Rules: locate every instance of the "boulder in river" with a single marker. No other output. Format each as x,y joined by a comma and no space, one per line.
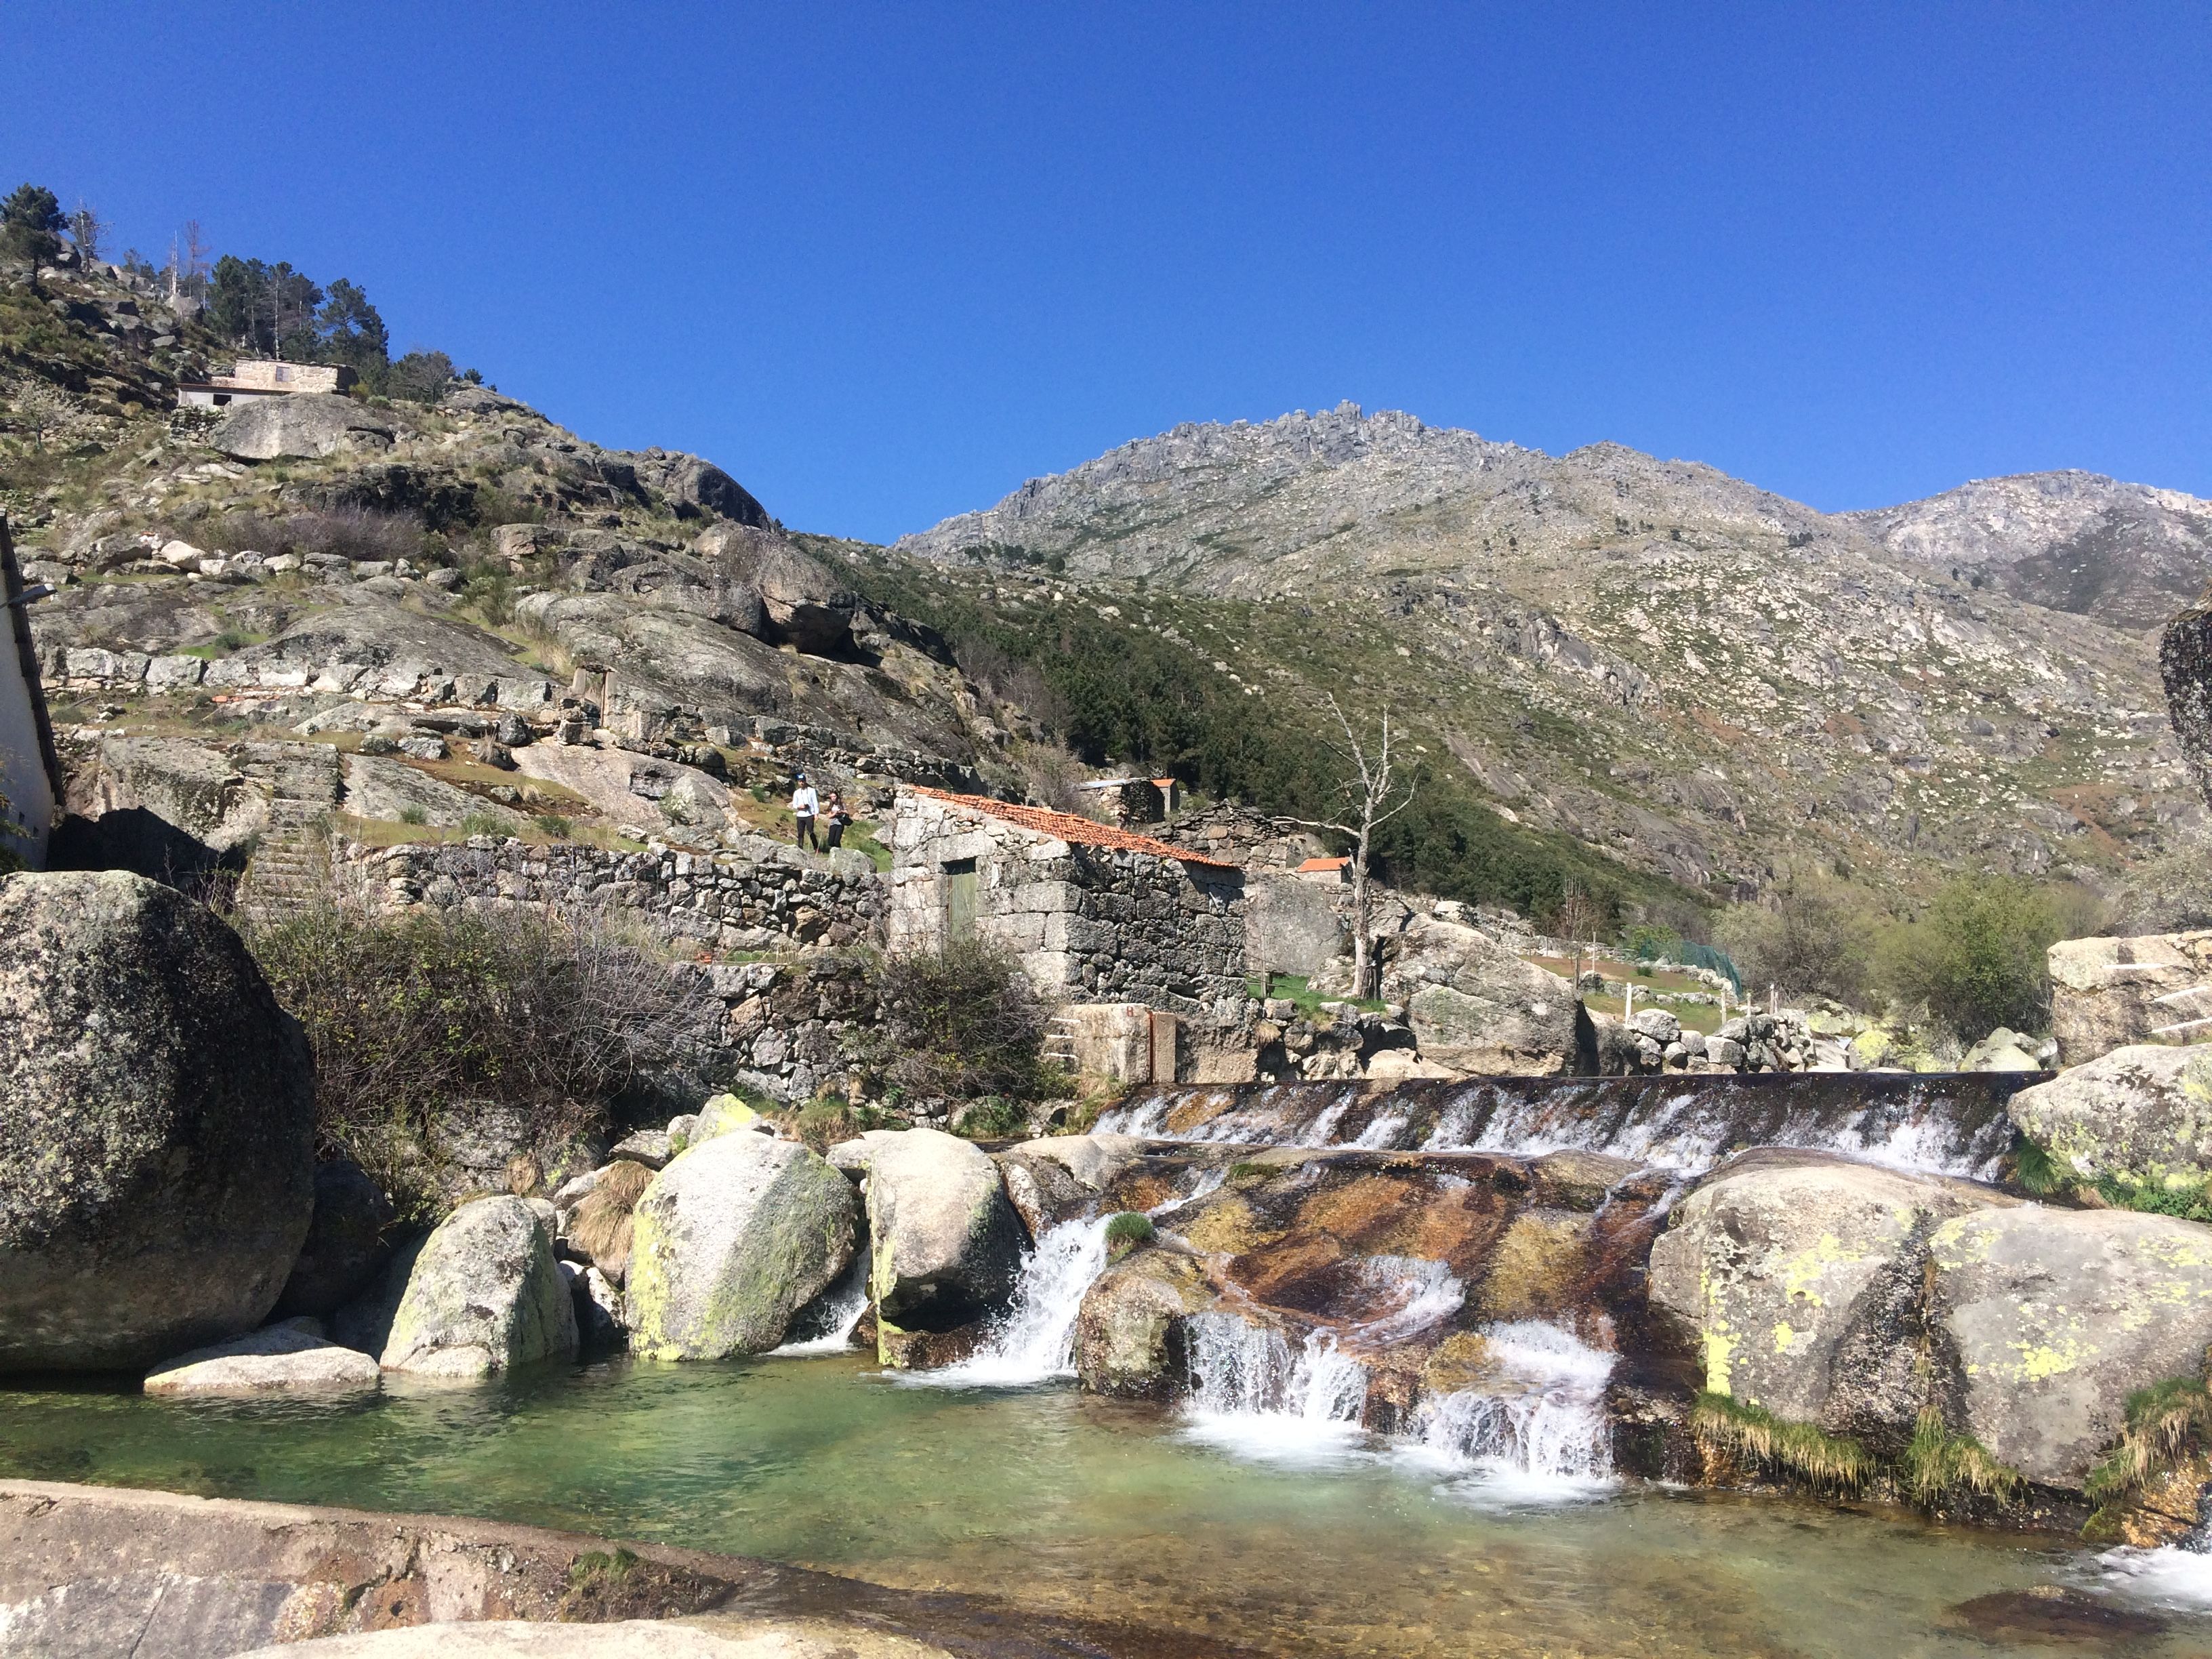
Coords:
1127,1333
2056,1316
291,1357
347,1245
1800,1277
946,1240
730,1241
485,1295
157,1126
2140,1114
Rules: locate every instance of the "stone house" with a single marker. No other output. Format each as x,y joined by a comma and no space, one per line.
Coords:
252,378
1094,912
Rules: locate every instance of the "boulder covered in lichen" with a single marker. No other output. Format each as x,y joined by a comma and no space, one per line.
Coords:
157,1126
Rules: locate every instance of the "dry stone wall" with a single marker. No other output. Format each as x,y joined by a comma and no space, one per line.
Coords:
722,901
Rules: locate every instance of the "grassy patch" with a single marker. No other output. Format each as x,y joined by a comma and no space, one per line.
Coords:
1940,1468
1754,1438
2167,1424
1127,1232
1293,987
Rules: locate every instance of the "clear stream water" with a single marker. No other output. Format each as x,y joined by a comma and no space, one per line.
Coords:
1291,1537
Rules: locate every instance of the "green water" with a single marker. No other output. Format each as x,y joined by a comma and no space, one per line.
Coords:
1052,1500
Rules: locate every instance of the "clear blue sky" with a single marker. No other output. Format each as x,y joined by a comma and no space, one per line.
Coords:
884,263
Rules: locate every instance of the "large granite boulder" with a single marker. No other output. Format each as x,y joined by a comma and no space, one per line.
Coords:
2108,993
730,1241
2140,1114
1475,1006
305,424
1127,1332
804,603
347,1242
1290,927
292,1357
1799,1278
946,1240
2056,1316
156,1126
486,1295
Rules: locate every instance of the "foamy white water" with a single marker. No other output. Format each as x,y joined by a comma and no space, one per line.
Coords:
2170,1576
1034,1341
825,1325
1534,1431
1255,1394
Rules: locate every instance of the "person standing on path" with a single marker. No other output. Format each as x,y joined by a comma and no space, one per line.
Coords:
833,821
806,804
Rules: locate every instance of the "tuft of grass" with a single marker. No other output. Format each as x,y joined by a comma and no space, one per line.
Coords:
555,826
597,1567
1250,1171
413,815
1939,1467
2038,1172
1753,1437
1128,1231
482,823
600,1227
2191,1203
2168,1423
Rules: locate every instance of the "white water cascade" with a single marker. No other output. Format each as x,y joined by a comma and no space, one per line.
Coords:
1535,1430
1034,1341
1253,1393
825,1324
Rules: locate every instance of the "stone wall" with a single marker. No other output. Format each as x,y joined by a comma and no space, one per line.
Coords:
723,901
1088,923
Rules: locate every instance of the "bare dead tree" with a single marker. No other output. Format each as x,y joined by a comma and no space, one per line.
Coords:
1373,795
88,231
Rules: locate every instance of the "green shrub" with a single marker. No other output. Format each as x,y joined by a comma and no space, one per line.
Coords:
409,1015
484,823
413,815
555,826
1128,1231
993,1118
1808,938
957,1024
1975,957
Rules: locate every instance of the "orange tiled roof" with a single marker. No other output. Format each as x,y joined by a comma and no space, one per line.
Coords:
1322,864
1065,826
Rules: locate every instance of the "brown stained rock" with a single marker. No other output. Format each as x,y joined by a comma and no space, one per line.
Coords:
1126,1335
1540,1268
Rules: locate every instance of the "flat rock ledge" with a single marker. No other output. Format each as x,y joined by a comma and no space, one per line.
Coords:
88,1569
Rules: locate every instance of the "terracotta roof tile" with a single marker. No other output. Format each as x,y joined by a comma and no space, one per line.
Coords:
1322,864
1065,826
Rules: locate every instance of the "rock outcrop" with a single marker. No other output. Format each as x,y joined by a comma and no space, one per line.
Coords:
305,424
2107,993
1128,1331
1477,1007
2185,663
946,1240
730,1240
2140,1115
485,1295
156,1126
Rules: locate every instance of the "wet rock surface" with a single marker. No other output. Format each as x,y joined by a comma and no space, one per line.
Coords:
484,1295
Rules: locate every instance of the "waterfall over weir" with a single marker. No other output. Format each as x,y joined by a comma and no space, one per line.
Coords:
1948,1123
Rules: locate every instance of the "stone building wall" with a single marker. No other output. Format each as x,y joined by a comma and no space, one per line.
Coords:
1088,923
721,901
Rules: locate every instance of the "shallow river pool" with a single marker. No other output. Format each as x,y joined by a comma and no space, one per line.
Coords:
1270,1536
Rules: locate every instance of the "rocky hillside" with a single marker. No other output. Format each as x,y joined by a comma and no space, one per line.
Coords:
1701,678
2125,554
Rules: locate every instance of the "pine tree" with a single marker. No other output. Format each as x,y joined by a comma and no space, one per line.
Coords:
31,223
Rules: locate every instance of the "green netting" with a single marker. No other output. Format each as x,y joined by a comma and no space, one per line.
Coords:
1691,955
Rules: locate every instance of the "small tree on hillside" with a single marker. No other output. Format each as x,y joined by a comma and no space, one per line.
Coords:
1373,794
31,223
87,230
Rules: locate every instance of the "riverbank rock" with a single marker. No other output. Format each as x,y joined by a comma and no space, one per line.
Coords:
946,1240
347,1243
1800,1278
485,1295
1127,1340
294,1356
2108,993
2142,1115
2057,1315
156,1126
1051,1179
730,1241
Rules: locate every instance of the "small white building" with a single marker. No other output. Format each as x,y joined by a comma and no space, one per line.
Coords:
262,377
